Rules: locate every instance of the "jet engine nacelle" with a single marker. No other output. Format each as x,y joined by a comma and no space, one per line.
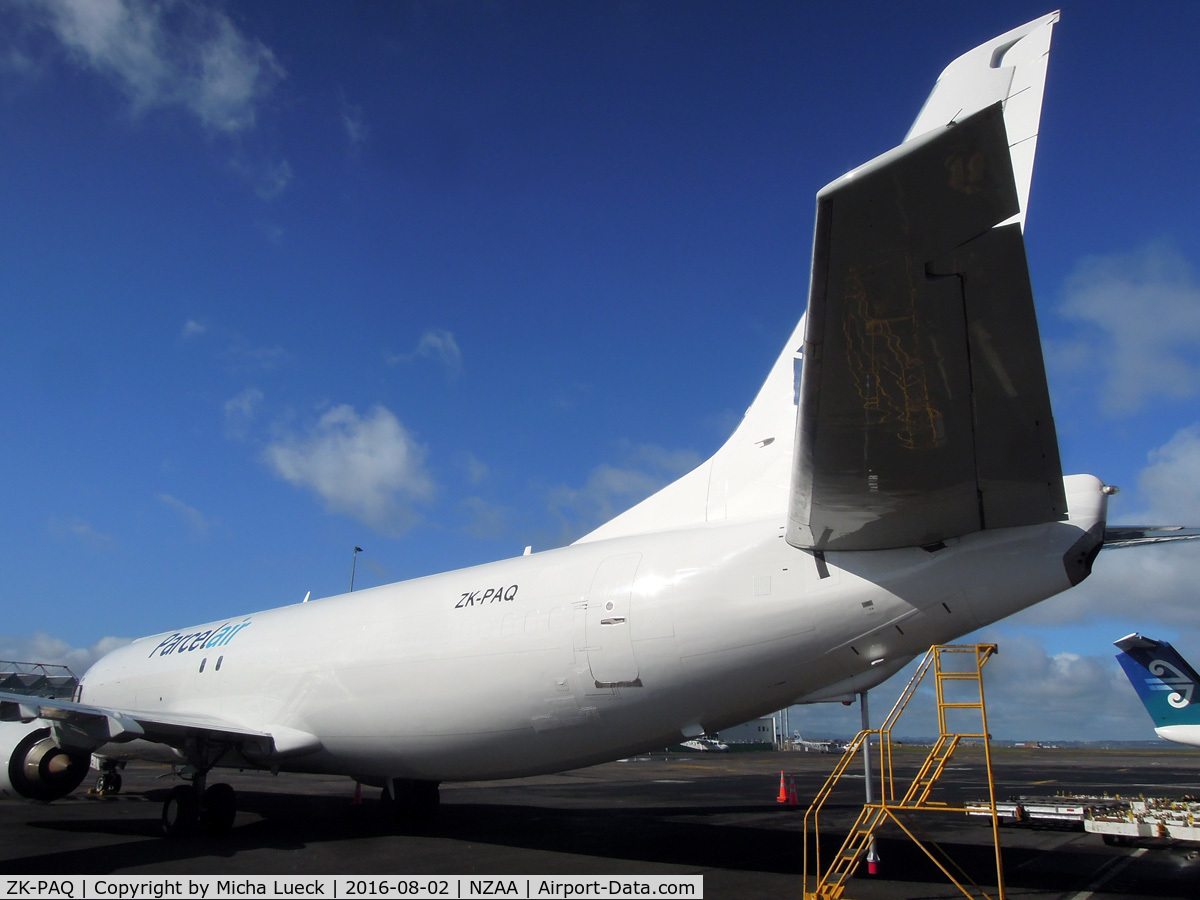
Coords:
34,767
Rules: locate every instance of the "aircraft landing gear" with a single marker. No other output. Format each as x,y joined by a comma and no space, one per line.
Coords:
109,781
180,812
192,806
218,809
409,801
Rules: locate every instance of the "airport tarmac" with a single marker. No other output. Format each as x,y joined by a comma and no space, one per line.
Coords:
714,815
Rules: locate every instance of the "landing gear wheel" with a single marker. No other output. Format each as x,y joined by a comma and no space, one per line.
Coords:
180,812
219,808
108,783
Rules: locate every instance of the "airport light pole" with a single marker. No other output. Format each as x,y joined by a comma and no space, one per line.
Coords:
353,563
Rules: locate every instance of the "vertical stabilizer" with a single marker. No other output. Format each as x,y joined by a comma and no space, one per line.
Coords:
924,412
748,476
1010,69
942,348
1165,683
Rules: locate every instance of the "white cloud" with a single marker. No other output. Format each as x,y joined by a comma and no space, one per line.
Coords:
1170,485
368,467
437,345
272,232
273,180
244,356
235,72
195,520
80,530
241,410
1037,695
1031,694
16,61
188,55
357,130
43,648
1144,587
237,352
611,489
192,328
269,178
485,521
1140,588
1140,321
477,471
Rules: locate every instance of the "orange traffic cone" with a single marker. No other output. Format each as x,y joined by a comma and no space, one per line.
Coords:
793,797
357,801
783,796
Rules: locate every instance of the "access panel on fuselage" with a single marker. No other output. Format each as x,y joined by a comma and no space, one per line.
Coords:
608,636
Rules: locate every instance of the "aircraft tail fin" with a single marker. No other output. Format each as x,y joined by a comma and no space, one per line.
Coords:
748,476
924,412
1010,68
943,335
1165,683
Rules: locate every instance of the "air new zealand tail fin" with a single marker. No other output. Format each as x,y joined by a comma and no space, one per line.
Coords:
1165,683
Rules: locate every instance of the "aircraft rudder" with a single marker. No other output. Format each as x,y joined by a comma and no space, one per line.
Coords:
1164,681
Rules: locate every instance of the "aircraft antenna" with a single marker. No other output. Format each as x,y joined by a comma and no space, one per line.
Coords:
353,562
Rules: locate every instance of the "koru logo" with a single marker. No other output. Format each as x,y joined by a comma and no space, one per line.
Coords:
1171,677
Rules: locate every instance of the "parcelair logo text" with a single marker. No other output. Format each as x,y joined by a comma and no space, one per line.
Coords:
199,640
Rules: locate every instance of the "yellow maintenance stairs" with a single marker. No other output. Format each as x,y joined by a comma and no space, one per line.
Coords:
958,673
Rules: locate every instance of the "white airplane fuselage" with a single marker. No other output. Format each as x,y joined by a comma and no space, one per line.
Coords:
586,653
1180,734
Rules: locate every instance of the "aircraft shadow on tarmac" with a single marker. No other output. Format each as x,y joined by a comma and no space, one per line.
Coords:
699,836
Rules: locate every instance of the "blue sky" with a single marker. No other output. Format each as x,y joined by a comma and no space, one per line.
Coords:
442,280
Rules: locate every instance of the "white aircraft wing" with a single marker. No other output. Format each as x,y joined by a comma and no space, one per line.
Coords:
87,727
924,411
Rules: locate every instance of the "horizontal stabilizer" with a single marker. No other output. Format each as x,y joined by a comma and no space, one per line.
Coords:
1139,535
